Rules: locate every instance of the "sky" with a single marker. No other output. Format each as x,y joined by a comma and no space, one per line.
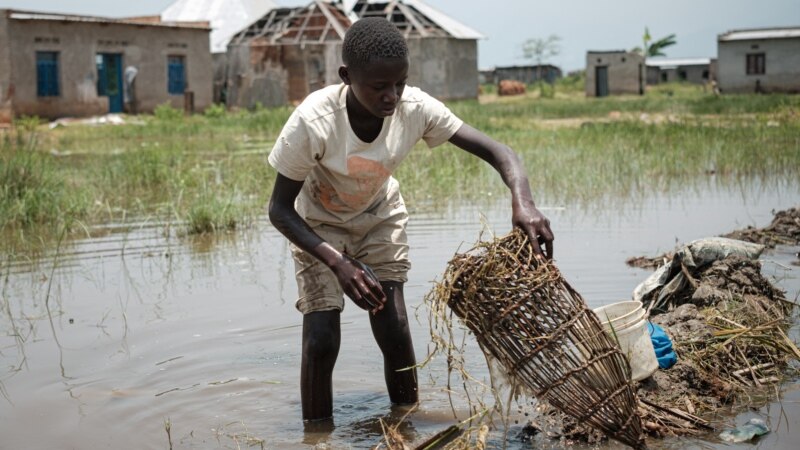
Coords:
581,24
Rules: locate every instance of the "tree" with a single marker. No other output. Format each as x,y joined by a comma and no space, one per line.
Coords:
656,47
540,51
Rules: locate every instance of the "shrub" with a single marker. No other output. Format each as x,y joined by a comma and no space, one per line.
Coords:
165,112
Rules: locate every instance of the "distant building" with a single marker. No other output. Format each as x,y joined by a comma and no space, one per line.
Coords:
226,18
286,55
688,70
759,60
613,73
525,74
56,65
290,52
443,52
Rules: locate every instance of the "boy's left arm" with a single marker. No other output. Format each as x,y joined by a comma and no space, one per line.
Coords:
525,215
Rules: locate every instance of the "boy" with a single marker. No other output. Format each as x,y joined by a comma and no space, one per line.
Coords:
336,201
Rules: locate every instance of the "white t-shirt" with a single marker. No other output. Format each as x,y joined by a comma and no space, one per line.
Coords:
344,175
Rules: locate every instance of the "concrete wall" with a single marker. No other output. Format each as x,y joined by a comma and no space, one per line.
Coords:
6,91
626,72
653,75
695,74
782,57
524,74
219,62
78,43
274,75
446,68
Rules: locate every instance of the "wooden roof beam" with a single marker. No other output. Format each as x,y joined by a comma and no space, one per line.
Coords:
302,28
332,19
389,10
411,17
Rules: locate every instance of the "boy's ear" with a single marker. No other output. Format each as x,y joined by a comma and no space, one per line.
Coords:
344,75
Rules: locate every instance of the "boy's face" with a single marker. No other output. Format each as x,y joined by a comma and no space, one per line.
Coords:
378,85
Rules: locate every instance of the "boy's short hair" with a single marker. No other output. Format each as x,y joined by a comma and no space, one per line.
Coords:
370,39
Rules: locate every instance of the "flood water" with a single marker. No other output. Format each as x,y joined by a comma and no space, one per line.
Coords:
134,330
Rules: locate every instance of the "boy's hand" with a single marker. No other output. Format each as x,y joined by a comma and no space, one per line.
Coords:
536,226
359,283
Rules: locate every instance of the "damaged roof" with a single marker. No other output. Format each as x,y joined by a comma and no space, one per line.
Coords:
320,21
414,18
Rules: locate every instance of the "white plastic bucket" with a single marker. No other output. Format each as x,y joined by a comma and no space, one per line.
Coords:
626,323
620,315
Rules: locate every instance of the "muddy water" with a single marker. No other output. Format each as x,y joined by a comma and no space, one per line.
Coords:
133,331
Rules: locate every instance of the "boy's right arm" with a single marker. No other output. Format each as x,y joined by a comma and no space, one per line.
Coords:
356,282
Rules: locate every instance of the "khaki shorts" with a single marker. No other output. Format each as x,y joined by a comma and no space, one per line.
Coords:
377,237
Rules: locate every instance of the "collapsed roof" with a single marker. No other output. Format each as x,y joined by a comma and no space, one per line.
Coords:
325,20
318,22
414,18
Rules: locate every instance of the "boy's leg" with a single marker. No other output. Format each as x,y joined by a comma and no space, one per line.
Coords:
392,333
321,339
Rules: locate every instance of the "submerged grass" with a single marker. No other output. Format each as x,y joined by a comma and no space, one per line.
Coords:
32,191
209,171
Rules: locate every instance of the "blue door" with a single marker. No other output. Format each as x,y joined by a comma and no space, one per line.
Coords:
109,79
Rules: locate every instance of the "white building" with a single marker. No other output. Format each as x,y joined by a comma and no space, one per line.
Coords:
686,70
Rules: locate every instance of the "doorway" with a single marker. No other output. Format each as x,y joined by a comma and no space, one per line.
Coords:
601,81
109,80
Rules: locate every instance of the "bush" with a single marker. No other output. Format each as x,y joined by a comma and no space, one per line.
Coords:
165,112
215,111
546,90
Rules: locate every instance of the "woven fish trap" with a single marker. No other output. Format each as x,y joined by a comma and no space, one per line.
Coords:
526,316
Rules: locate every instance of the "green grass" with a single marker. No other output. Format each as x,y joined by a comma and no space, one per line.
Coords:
209,172
32,190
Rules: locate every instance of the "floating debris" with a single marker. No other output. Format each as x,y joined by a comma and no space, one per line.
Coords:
754,427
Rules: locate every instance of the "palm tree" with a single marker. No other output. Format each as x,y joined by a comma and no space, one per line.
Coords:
657,47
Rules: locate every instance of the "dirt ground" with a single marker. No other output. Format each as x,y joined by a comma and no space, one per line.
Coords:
728,327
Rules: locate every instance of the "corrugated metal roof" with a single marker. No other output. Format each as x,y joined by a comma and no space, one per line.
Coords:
760,33
453,27
606,51
675,62
227,17
33,15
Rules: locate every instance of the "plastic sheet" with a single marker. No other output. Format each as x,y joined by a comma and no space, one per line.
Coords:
693,256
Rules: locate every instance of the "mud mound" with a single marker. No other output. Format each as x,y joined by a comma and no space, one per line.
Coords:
728,326
784,230
728,280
